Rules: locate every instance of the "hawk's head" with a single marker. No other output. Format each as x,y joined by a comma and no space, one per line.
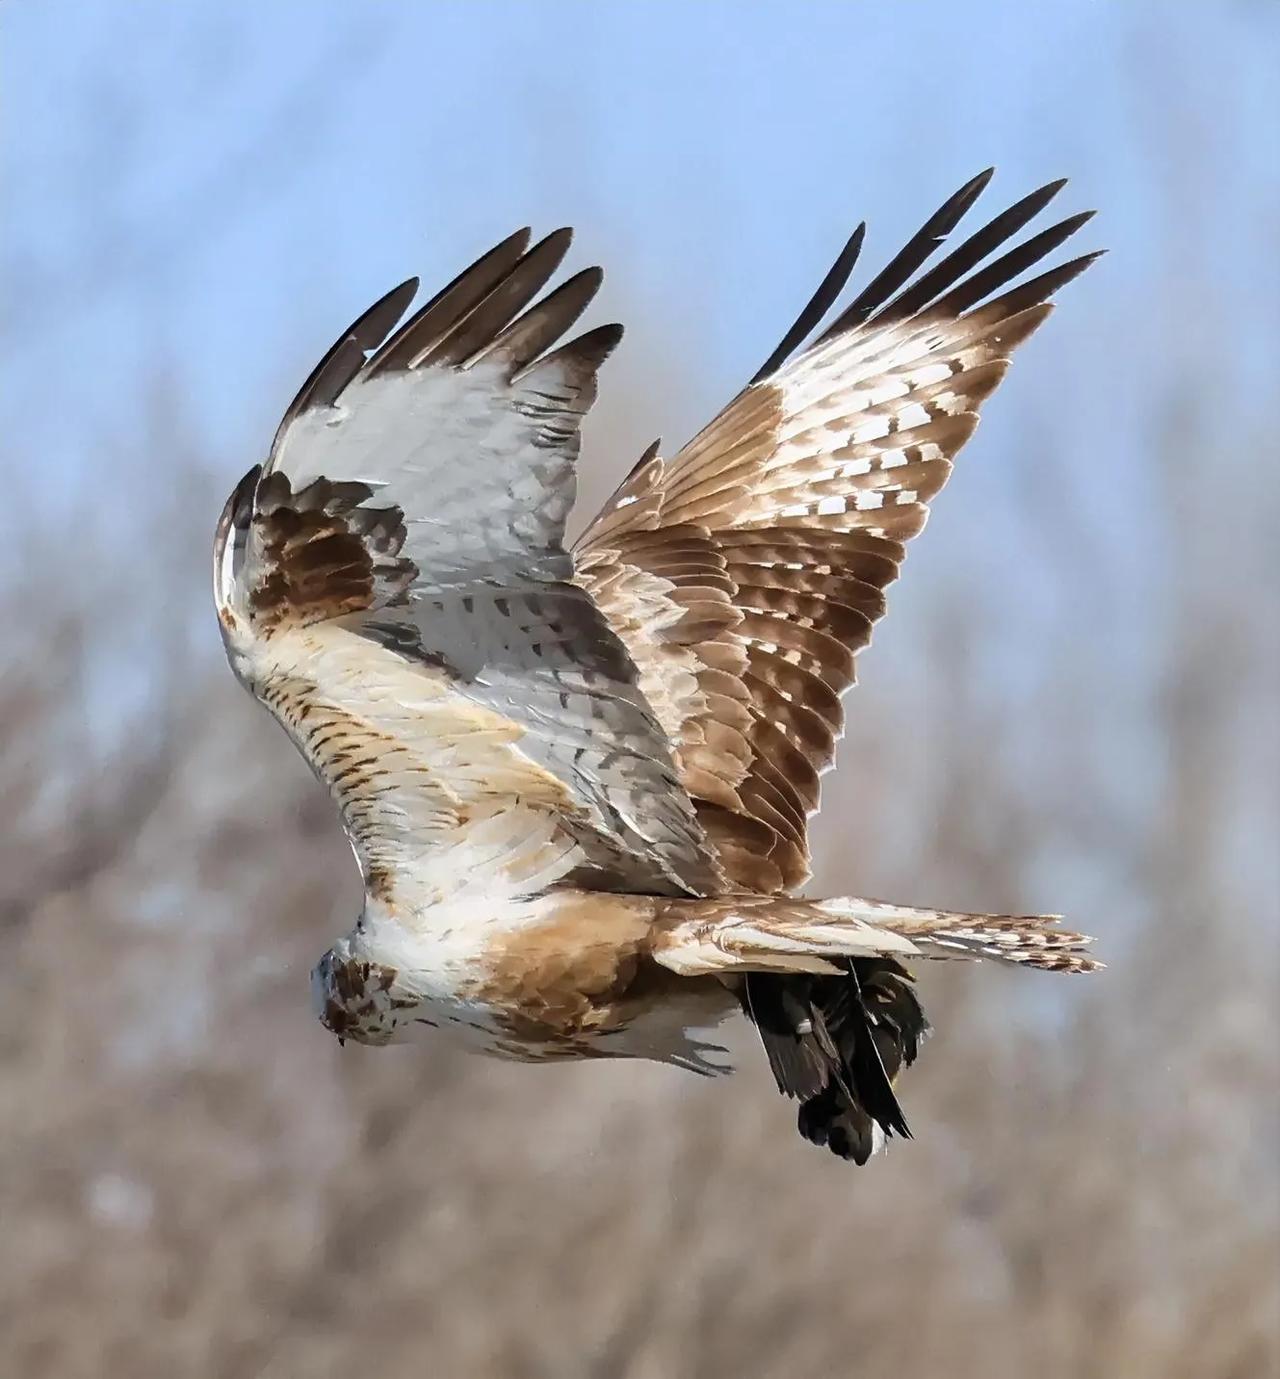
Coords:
355,998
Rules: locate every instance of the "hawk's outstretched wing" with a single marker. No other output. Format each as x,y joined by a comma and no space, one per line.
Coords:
392,584
745,573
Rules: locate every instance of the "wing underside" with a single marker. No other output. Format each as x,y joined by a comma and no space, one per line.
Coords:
393,585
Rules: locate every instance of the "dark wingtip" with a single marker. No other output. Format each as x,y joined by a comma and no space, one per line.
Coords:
1035,202
374,326
970,192
562,236
817,306
1074,222
596,345
552,248
522,237
1060,277
915,252
953,209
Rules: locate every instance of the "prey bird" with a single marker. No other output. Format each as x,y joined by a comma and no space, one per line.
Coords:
578,781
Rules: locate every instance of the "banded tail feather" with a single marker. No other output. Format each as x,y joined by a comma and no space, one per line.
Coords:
836,1010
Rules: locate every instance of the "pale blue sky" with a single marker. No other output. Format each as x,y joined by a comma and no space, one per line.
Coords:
216,186
201,194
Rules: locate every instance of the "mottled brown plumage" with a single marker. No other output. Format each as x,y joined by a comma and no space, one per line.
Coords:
804,492
325,553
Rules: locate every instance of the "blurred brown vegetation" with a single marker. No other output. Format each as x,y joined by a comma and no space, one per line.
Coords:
197,1181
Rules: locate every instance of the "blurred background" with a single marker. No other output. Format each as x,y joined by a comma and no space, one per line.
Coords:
1071,707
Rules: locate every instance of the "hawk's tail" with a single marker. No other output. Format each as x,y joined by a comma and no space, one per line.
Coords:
836,1010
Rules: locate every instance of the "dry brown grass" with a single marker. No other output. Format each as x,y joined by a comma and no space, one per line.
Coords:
197,1181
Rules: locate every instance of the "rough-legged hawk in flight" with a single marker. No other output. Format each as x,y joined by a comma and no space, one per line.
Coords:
578,781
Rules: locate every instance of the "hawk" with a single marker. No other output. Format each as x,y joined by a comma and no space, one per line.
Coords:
578,781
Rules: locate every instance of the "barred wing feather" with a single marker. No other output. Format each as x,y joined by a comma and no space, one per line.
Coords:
393,585
745,573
